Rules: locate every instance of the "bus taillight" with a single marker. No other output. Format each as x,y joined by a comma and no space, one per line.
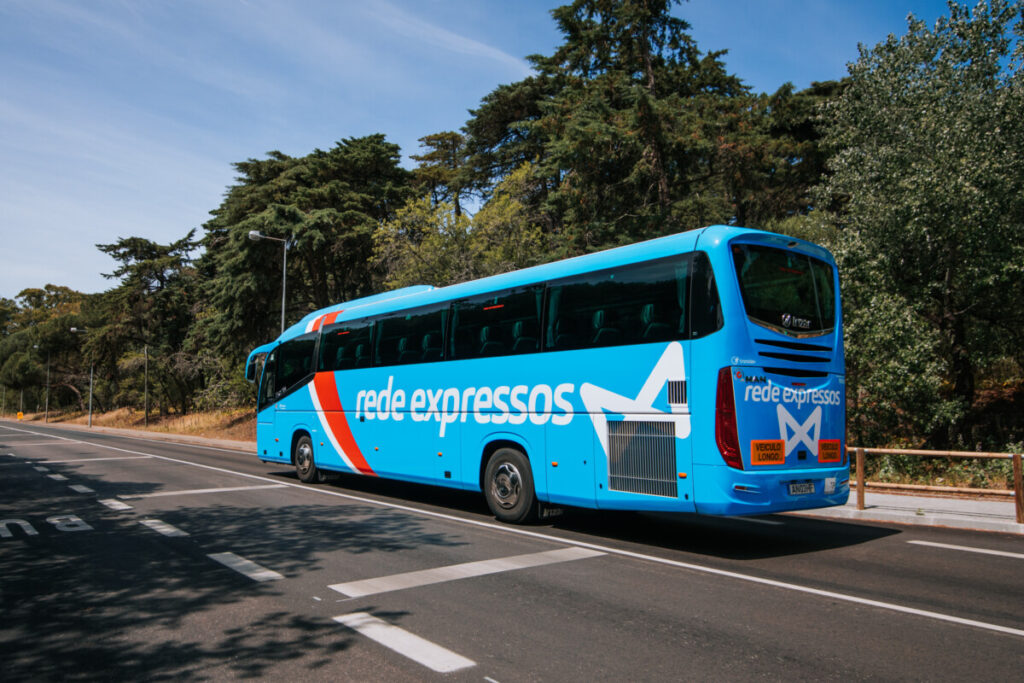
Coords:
725,421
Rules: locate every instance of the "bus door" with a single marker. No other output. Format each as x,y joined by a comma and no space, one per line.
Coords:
267,447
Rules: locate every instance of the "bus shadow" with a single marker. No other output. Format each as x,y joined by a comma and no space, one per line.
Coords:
723,537
733,538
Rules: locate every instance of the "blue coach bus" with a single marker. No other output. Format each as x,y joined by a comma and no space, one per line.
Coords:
701,372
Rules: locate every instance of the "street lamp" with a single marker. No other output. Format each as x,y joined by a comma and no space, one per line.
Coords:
74,330
256,236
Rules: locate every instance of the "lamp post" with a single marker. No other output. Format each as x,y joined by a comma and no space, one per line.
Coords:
82,329
256,236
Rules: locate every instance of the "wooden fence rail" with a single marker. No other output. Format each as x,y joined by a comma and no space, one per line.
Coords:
1018,471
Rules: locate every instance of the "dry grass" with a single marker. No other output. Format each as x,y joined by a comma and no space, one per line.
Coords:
238,424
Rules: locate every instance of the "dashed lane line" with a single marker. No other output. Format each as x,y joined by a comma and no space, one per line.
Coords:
426,577
969,549
193,492
410,645
246,567
41,469
163,528
713,571
81,488
115,504
57,477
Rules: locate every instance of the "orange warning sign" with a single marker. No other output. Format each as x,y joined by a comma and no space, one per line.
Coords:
768,452
829,450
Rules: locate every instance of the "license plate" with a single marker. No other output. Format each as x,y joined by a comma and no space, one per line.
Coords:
801,488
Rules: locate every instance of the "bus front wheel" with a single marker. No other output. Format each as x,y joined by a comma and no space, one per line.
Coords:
508,486
305,465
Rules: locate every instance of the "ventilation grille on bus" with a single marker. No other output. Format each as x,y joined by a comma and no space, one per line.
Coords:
677,391
642,457
794,346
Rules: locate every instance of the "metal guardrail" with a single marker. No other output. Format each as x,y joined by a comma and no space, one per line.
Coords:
1018,471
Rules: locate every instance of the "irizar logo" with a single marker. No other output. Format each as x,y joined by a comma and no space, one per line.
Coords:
600,402
806,433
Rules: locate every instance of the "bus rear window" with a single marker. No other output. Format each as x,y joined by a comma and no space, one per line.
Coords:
785,290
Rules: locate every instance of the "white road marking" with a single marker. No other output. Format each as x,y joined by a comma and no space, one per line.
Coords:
57,477
115,504
421,651
426,577
163,528
79,488
42,469
965,548
247,567
192,492
77,460
39,443
832,595
769,522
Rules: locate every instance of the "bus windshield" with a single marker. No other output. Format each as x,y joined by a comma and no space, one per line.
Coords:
785,290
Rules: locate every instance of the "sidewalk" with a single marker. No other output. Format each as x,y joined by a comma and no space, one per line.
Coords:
958,513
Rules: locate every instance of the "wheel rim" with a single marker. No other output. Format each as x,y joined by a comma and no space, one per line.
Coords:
304,457
506,485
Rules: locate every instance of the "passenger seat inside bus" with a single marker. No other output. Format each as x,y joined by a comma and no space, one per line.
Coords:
431,346
490,345
605,333
524,336
362,356
405,353
654,325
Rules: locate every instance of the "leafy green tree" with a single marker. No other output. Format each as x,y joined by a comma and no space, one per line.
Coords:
441,170
330,203
927,192
149,314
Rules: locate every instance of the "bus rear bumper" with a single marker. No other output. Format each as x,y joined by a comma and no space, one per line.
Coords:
722,490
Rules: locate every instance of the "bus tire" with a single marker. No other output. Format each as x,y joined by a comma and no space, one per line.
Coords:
305,464
508,487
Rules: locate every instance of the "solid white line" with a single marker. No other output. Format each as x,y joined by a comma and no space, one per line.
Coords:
938,616
163,527
38,443
57,477
769,522
430,655
426,577
122,457
79,488
965,548
247,567
192,492
115,504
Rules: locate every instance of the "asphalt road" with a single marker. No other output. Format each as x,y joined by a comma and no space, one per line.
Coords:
122,558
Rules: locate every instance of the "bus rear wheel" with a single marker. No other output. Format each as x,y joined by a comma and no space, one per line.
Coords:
305,464
508,487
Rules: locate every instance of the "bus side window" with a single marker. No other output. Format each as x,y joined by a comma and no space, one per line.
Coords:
399,338
635,304
267,381
705,308
497,324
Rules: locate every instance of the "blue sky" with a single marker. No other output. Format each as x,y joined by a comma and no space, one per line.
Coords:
123,117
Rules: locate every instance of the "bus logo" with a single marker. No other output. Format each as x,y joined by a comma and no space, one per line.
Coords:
669,368
806,433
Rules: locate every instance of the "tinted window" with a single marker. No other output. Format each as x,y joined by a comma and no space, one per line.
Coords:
268,383
294,362
785,289
704,307
414,336
500,324
635,304
346,346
